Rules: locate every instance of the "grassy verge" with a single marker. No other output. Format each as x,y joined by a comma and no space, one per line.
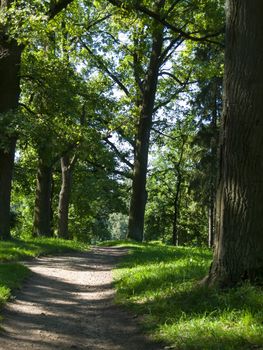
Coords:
12,273
11,277
29,248
160,283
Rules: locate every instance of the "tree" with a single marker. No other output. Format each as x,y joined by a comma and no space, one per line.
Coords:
11,47
207,108
239,209
139,195
67,165
52,108
173,213
185,15
10,58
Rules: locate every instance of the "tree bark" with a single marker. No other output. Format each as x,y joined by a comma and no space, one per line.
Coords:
211,221
6,171
42,211
10,59
139,195
239,206
64,197
213,169
179,180
176,210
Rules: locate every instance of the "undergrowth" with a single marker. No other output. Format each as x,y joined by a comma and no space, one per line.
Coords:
160,283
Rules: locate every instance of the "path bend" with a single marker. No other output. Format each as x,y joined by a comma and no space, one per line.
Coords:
67,303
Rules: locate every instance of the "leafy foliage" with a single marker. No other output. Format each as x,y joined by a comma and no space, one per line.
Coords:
82,76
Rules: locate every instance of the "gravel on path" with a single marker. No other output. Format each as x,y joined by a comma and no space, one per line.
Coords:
67,303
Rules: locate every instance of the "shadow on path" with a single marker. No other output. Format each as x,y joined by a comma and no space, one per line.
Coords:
67,303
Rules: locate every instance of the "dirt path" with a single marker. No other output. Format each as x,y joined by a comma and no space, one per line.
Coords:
68,304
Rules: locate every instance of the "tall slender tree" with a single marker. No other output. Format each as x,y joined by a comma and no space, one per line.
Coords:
139,196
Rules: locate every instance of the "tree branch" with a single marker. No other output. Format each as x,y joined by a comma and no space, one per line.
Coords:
102,66
118,153
137,6
113,171
167,50
172,76
171,8
56,7
166,135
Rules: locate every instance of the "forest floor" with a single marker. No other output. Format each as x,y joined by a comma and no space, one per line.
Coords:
68,303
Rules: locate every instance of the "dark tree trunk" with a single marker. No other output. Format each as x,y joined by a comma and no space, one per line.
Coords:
6,171
211,221
64,197
42,211
176,210
213,171
179,178
239,207
139,195
10,59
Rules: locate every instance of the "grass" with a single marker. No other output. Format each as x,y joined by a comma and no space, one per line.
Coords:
32,247
12,273
160,283
11,277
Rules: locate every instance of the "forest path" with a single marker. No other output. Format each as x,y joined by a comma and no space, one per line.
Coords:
67,303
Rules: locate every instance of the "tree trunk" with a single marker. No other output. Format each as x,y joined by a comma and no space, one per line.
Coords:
6,171
10,59
213,167
239,206
179,179
176,209
211,221
42,211
64,197
139,195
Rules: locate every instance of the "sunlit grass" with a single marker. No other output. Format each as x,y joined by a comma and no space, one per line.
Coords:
32,247
161,283
13,274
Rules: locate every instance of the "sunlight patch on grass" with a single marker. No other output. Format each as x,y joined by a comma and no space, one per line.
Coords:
160,283
13,274
28,248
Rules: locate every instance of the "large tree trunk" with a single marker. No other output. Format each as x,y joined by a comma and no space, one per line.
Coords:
64,197
139,195
10,59
42,211
239,208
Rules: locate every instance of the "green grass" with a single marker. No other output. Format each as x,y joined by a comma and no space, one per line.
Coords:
11,277
31,247
12,274
160,283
